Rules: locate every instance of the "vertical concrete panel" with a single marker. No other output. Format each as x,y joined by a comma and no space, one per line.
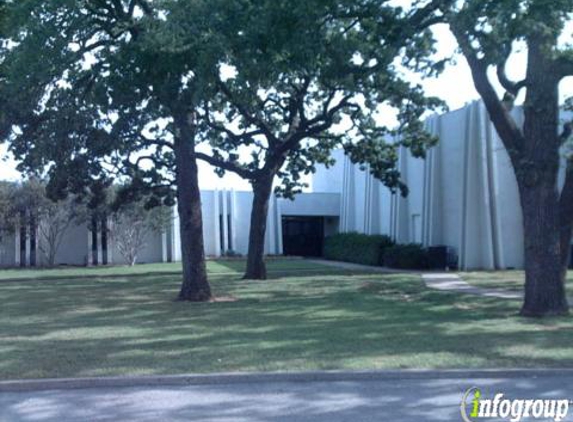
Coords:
74,250
402,203
234,221
225,213
477,250
279,219
17,249
210,211
448,179
270,234
215,224
508,211
8,250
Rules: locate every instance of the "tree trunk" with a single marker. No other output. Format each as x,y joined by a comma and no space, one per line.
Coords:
256,268
195,286
566,233
544,268
537,171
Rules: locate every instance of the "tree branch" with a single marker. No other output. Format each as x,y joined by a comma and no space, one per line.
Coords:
226,165
507,84
508,130
155,142
252,119
236,138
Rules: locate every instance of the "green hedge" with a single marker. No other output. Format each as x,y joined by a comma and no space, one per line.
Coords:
356,247
411,256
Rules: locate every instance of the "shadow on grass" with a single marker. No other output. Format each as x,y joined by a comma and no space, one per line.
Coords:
332,320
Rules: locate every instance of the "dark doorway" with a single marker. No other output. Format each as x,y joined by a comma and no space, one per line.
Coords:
303,236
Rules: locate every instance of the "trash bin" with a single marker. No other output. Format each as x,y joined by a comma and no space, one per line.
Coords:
442,257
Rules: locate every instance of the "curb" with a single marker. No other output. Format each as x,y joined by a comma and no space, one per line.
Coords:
289,377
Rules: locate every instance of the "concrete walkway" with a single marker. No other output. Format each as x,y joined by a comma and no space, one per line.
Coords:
405,399
453,283
439,281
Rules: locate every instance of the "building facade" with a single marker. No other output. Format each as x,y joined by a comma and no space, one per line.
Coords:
226,223
463,195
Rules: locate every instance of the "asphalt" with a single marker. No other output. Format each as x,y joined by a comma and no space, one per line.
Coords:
432,396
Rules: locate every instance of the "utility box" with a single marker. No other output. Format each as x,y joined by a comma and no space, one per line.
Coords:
442,258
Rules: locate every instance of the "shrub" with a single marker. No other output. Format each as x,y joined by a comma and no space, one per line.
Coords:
356,247
411,256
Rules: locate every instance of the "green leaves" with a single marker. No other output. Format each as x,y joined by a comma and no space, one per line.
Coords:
301,69
96,84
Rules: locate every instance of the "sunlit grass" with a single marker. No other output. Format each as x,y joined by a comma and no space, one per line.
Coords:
305,317
509,280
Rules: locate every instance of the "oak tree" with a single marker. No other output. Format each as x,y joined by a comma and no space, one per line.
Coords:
306,77
489,33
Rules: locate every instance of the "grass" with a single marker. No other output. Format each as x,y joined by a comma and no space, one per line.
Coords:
305,317
214,267
508,280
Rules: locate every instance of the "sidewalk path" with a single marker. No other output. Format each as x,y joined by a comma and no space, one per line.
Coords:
439,281
452,282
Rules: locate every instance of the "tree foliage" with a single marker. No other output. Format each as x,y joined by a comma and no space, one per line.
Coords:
126,88
27,204
116,93
304,78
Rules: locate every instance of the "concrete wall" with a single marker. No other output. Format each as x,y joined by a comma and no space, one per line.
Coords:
7,250
74,247
237,206
463,195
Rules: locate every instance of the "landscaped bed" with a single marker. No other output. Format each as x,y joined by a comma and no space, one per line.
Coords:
122,321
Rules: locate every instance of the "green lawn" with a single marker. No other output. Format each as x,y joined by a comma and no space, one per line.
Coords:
509,280
118,321
214,267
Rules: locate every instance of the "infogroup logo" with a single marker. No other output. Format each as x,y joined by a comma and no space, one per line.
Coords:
475,407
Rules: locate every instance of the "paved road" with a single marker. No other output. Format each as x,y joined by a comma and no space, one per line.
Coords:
375,400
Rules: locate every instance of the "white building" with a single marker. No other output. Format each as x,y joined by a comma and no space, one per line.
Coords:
464,195
226,223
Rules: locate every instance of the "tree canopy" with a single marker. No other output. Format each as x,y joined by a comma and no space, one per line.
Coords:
125,89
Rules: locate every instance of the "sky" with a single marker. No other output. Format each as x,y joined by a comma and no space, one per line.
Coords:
454,86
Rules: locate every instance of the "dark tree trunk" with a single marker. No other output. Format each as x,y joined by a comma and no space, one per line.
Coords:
566,233
537,171
534,152
195,286
544,268
256,268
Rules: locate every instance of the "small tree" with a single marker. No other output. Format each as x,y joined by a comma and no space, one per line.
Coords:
132,225
54,220
49,219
